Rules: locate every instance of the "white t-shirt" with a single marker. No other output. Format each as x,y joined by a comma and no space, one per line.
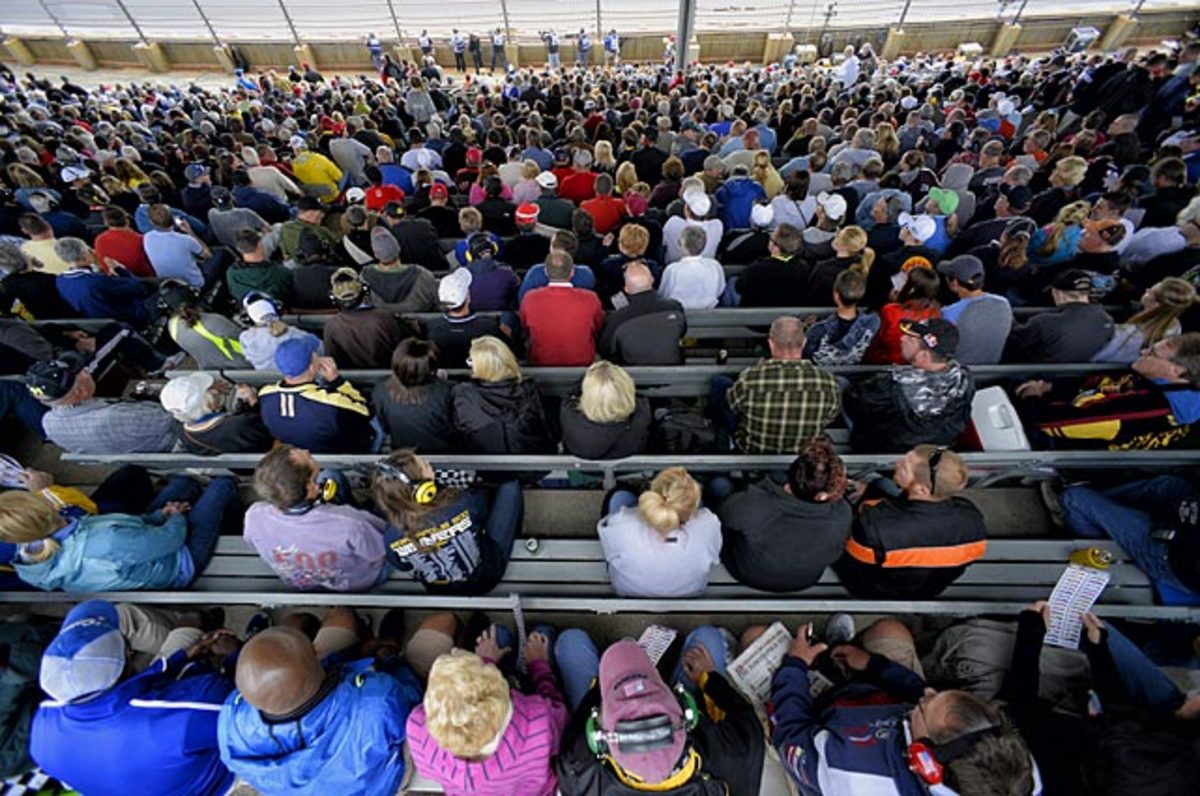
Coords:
695,282
675,224
644,563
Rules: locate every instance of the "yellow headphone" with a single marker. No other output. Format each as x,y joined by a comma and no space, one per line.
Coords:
424,491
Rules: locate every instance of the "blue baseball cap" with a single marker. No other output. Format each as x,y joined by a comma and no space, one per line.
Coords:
88,654
294,356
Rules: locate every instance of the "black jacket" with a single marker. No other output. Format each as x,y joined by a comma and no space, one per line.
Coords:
774,282
589,440
731,750
501,417
776,542
419,243
453,336
647,331
426,425
884,420
1072,332
526,250
239,432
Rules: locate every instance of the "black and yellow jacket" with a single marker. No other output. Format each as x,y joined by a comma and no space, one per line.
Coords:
323,418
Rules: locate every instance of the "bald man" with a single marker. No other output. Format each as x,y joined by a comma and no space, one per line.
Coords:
300,720
647,329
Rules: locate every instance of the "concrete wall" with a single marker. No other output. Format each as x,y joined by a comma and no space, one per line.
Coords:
1037,34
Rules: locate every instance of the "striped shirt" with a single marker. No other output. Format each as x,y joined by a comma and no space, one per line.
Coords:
522,764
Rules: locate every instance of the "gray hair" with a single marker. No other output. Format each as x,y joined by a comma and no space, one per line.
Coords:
72,250
841,173
714,162
693,239
12,259
895,206
582,158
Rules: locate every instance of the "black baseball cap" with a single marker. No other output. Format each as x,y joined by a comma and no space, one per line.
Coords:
52,379
937,334
1073,280
307,203
1019,196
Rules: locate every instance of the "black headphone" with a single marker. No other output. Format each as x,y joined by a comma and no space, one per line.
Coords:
929,760
175,293
424,491
473,241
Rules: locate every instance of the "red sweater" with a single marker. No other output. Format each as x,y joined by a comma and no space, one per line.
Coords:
562,322
578,186
124,246
606,212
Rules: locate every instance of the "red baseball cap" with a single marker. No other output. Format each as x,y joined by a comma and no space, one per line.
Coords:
438,191
528,213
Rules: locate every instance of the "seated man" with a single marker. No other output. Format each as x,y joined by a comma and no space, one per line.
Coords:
94,294
79,422
1156,521
313,407
864,734
359,336
299,722
983,319
647,329
458,325
1072,332
844,337
562,320
695,281
927,400
396,286
110,730
208,423
176,251
780,402
494,285
653,738
301,531
918,535
781,537
257,272
1155,405
779,280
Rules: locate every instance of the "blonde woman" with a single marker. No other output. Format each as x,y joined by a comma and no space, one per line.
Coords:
603,160
499,411
1059,242
661,544
1162,306
472,734
1065,179
129,173
526,189
626,178
765,174
607,419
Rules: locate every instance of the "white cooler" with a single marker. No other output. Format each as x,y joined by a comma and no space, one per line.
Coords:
996,422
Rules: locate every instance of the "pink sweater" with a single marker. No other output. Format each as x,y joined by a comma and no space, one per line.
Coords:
523,763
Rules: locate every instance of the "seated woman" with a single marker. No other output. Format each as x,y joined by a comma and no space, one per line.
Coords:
916,301
473,734
268,332
499,411
661,544
166,548
1162,306
607,420
454,541
209,338
413,403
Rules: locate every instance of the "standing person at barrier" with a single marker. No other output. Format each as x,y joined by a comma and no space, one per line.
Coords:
314,407
109,730
302,721
303,530
631,733
607,420
458,45
499,411
165,548
916,534
454,541
781,537
662,543
928,400
475,735
876,733
780,402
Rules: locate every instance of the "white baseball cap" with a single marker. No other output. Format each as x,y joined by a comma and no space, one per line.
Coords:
72,173
833,204
921,227
762,215
698,202
546,180
355,195
261,311
454,288
183,396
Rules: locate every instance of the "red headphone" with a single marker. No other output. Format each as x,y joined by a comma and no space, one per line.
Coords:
929,760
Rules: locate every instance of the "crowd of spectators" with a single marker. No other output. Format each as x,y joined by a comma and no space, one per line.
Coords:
573,219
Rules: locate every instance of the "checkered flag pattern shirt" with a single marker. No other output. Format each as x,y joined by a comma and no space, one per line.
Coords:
782,403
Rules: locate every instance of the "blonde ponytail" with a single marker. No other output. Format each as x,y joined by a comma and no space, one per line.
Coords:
671,500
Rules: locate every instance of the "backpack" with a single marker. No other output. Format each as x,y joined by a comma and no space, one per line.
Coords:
679,432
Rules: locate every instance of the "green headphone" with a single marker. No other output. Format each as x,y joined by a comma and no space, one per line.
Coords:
648,732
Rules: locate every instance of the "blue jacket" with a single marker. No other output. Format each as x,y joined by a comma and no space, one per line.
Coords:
536,277
737,196
323,418
95,295
117,552
153,733
350,744
271,209
841,742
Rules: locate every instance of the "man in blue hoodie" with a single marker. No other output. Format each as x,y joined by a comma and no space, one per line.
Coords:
97,295
108,730
877,730
302,724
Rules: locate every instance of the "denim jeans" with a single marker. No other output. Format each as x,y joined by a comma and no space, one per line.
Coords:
1123,515
211,506
716,492
578,664
711,639
505,516
16,399
1148,686
731,297
617,500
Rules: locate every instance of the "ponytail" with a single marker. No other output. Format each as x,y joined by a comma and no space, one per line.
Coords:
277,328
671,500
866,258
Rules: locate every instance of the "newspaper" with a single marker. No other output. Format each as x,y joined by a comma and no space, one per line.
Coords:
752,671
656,640
1073,596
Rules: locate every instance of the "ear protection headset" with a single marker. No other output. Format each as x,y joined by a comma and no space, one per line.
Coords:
642,735
327,491
478,239
929,760
424,491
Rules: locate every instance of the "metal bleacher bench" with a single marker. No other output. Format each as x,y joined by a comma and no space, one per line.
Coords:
570,575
